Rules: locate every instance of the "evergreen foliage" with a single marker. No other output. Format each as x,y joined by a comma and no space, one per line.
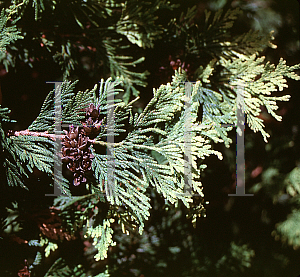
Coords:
149,147
102,30
9,34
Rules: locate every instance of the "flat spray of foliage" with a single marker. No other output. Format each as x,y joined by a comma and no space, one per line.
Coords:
149,146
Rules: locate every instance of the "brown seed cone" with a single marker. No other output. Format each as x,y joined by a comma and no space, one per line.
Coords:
92,111
77,155
92,124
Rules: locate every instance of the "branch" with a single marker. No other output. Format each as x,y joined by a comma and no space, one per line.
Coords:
55,136
39,134
103,143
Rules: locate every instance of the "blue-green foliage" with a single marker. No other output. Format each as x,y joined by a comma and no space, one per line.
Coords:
254,81
135,26
65,97
149,151
9,34
23,155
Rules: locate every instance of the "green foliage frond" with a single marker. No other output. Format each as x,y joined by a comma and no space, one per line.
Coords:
71,102
24,154
12,164
79,12
218,108
104,274
215,39
138,24
8,34
4,115
38,5
14,174
289,230
106,98
135,24
150,147
130,193
102,238
119,64
60,268
96,228
46,118
135,167
250,84
50,246
34,152
135,164
239,257
74,219
65,58
292,182
257,82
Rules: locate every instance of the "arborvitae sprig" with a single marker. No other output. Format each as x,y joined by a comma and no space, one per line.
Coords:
150,146
258,82
86,28
255,81
213,39
158,129
9,34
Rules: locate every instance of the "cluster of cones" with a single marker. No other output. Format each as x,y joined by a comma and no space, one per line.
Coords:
75,150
